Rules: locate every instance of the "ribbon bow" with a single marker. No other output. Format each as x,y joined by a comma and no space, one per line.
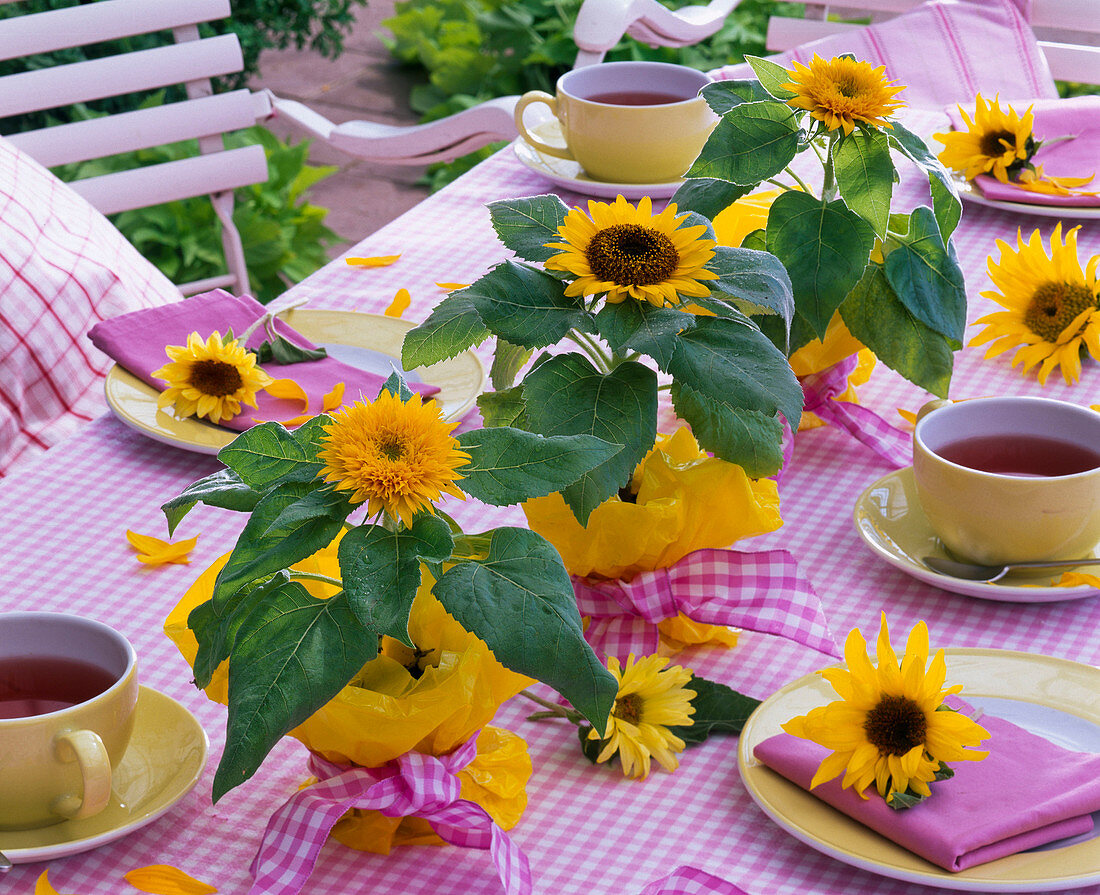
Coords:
820,389
763,591
413,784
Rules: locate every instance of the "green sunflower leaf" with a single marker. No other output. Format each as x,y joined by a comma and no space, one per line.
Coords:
945,195
526,225
772,76
520,601
749,438
866,176
282,351
926,277
508,360
566,395
525,306
508,466
751,142
224,489
722,96
825,248
708,195
292,654
755,282
639,326
269,453
504,407
876,316
451,328
718,709
381,570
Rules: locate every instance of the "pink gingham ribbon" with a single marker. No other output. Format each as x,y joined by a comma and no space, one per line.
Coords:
763,591
413,784
685,880
820,390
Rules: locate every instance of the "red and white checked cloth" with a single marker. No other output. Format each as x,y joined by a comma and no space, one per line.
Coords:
763,591
820,391
414,784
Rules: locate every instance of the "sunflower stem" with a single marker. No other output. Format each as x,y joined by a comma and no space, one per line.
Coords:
592,349
828,187
553,709
315,576
799,181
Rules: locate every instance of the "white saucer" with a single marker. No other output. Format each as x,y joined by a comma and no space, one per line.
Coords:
567,173
166,756
972,193
888,517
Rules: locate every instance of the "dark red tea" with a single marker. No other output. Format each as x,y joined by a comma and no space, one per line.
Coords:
636,98
36,685
1023,455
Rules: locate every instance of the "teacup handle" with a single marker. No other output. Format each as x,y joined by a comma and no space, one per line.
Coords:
538,96
86,748
934,404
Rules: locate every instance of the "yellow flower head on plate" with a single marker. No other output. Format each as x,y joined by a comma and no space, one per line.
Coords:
651,699
1052,306
397,455
995,141
210,379
629,252
842,92
887,728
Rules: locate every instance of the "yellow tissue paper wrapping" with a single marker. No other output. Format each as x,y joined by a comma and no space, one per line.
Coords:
386,711
686,500
731,226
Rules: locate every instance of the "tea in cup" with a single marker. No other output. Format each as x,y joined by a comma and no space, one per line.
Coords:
627,122
68,688
1010,479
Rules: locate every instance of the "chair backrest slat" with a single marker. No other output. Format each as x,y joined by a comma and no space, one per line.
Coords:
143,128
89,23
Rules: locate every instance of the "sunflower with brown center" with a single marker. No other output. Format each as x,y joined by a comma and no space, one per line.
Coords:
889,727
1052,306
842,92
995,141
629,252
399,456
210,379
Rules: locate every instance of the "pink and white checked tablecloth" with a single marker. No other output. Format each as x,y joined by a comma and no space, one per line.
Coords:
587,831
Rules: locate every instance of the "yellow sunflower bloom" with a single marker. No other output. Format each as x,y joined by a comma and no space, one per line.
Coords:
651,699
841,92
629,252
397,455
210,379
887,728
995,142
1052,306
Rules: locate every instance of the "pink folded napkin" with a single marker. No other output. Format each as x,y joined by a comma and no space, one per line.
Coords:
1028,792
1078,157
136,341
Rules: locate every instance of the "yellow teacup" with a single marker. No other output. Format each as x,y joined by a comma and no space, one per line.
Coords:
627,122
1010,479
68,688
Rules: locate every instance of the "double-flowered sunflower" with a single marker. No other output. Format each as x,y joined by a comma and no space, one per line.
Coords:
210,379
625,251
888,728
995,142
397,455
842,92
1052,306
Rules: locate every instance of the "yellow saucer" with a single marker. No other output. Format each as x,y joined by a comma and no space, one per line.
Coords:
166,756
368,341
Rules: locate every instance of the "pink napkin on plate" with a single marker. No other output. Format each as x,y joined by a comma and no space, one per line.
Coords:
136,342
1027,793
1079,157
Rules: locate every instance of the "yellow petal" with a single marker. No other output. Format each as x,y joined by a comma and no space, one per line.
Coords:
333,399
909,416
400,303
290,390
42,886
163,879
377,261
451,287
155,552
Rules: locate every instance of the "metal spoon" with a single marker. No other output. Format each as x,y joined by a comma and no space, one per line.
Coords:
973,572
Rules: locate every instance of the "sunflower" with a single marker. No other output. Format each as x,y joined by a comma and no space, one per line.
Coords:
842,91
1052,307
630,252
888,727
995,142
397,455
651,699
210,379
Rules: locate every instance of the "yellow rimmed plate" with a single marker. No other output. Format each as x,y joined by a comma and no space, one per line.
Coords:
369,341
165,758
1053,698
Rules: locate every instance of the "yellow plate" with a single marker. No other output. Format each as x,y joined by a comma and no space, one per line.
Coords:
166,756
1054,698
370,341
